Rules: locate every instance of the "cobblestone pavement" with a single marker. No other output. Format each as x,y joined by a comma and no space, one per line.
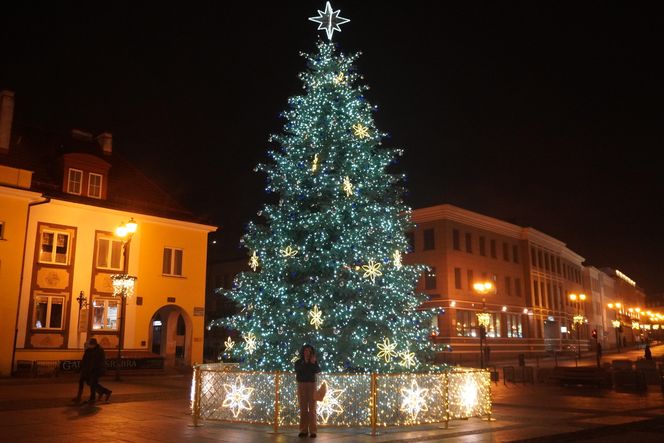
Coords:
156,408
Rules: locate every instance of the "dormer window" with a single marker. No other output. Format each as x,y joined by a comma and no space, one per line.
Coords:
74,180
94,185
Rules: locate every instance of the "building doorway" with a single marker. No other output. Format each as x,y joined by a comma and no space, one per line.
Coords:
170,336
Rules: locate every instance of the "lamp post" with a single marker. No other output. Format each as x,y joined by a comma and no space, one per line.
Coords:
616,323
483,318
578,321
123,284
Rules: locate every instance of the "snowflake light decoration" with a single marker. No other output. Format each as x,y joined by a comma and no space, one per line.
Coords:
407,359
387,350
396,259
331,404
249,342
237,397
315,317
229,344
348,187
329,20
288,252
360,130
339,79
413,400
372,270
253,261
314,163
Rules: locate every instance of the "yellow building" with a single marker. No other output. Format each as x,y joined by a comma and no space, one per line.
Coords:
61,200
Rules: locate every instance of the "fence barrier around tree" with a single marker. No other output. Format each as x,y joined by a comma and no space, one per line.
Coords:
352,400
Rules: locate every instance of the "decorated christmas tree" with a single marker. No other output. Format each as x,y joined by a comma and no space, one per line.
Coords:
326,264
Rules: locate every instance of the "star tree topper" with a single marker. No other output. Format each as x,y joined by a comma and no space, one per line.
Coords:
329,20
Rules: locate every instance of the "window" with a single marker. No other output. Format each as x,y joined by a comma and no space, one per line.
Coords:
48,312
54,247
466,323
493,330
74,179
517,287
430,278
506,252
469,243
410,236
482,246
2,230
514,327
493,249
109,254
508,285
515,254
471,278
429,241
105,314
455,240
94,185
457,278
172,264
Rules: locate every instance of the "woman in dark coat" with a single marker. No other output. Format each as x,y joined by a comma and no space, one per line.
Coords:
306,368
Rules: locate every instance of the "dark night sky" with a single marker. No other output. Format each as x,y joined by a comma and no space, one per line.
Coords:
544,114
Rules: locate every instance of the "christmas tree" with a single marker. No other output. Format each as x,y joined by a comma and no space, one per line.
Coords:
327,262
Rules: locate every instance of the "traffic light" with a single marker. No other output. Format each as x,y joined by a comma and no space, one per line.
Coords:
595,334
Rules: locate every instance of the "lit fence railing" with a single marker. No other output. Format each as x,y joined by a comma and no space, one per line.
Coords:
352,400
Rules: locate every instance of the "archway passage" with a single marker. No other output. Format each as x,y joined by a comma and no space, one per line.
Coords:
170,336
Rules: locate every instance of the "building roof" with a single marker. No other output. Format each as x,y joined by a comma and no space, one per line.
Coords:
128,188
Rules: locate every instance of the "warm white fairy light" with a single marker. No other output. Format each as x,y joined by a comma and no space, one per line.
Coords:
413,400
237,397
249,342
253,261
314,163
315,317
372,270
229,344
288,252
396,259
339,79
329,20
387,350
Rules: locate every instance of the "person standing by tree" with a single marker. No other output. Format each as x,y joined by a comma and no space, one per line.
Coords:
647,352
306,368
93,366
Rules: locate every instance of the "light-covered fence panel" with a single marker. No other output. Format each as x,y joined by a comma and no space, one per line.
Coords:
353,400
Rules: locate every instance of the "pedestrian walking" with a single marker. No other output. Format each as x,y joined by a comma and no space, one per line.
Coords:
599,354
93,366
82,379
647,353
306,368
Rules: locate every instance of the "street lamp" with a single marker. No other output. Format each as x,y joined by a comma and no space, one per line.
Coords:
617,324
483,318
123,284
579,319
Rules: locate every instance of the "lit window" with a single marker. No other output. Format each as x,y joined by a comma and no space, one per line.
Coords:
105,314
94,185
172,263
514,327
74,179
47,312
54,247
109,254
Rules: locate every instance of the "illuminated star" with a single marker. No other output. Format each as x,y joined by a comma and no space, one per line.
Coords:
253,261
237,397
288,252
396,258
360,130
387,350
316,317
314,163
249,342
372,270
413,400
228,344
330,404
329,20
407,359
348,187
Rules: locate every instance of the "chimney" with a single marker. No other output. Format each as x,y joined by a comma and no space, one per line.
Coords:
105,140
6,117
